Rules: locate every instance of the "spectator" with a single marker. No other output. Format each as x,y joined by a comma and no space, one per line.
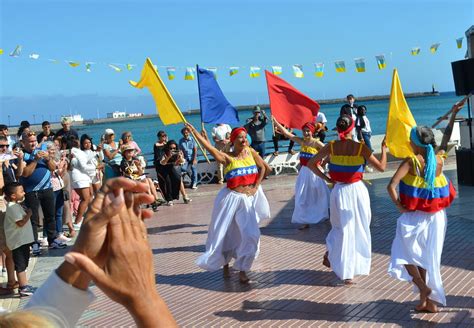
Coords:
36,181
158,153
47,134
189,148
24,127
12,164
19,234
66,123
321,132
277,136
256,130
127,139
4,132
171,163
93,158
112,155
81,171
350,109
221,134
362,125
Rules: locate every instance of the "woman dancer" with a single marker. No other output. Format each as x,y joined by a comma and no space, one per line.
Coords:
238,208
348,243
311,192
425,192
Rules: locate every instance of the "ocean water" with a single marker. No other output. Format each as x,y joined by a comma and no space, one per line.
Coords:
426,110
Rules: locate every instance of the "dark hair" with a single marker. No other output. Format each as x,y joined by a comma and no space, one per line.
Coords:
3,127
85,137
184,129
344,122
426,135
70,141
168,145
350,95
361,110
24,124
10,188
124,134
20,130
45,123
160,133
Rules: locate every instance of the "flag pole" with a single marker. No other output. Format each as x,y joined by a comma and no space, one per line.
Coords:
204,152
270,103
148,61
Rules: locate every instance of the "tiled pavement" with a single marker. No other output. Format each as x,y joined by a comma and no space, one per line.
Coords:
289,285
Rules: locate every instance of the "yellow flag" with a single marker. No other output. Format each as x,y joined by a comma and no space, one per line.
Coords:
165,105
1,51
399,121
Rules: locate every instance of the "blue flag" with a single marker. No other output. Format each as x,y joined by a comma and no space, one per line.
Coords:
214,106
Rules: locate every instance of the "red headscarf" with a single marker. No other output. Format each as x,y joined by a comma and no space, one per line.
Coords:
310,126
343,133
235,132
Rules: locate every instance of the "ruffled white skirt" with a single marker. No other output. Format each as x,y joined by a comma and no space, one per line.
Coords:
349,243
233,231
419,241
311,198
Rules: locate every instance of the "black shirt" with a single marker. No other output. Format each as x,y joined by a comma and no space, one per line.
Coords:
64,134
40,137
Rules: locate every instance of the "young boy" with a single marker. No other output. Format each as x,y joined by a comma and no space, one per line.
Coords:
19,233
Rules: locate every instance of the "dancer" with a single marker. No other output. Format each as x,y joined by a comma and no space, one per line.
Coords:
311,192
238,208
348,243
424,193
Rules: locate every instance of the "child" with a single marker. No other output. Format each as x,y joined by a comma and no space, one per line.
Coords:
19,233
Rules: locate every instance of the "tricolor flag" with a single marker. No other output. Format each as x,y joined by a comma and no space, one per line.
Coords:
88,67
415,51
254,71
434,47
115,67
233,70
73,64
381,64
189,75
298,71
340,66
16,52
277,70
459,42
319,69
34,56
171,71
130,67
360,65
213,70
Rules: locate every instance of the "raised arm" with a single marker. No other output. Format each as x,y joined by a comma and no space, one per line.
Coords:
286,133
443,147
218,155
381,164
322,154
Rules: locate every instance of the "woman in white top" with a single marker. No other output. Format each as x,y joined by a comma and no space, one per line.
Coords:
94,155
80,172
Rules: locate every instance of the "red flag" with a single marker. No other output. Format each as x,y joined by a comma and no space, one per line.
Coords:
289,106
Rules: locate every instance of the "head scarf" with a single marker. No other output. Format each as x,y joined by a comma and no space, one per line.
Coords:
235,132
343,133
430,165
310,126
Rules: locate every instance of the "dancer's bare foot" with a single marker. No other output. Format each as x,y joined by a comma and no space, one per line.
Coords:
243,277
429,306
348,282
303,227
425,291
326,262
226,271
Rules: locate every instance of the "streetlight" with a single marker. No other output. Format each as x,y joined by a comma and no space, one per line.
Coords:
9,124
34,119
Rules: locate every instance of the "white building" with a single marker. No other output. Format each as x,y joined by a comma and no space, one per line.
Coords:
117,114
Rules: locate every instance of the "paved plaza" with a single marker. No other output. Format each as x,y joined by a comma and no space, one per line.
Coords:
289,286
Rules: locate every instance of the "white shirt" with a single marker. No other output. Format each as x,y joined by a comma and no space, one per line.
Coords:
81,168
220,131
17,236
321,118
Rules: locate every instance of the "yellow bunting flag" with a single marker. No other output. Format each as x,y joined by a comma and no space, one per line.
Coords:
415,51
73,64
254,71
459,42
340,66
165,105
434,47
399,121
298,71
1,51
115,67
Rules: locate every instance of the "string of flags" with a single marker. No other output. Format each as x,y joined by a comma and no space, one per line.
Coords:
254,71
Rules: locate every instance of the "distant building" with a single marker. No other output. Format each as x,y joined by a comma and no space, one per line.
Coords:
74,118
131,115
117,114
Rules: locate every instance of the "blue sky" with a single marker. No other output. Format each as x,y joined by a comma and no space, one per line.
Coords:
218,33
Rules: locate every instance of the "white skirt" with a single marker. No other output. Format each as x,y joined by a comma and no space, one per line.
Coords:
311,198
349,243
419,241
233,231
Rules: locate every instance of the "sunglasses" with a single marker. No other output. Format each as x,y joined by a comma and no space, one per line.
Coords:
30,134
3,146
163,135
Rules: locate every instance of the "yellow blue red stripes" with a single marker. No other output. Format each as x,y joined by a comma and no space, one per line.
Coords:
306,153
241,172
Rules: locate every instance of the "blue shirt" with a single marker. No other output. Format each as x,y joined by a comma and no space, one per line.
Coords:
40,179
187,146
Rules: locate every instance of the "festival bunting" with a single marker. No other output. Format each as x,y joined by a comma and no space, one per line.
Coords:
254,71
381,64
54,61
189,75
73,64
399,121
88,67
459,42
115,68
213,71
415,51
130,67
319,69
288,105
1,51
340,66
360,65
233,70
171,71
165,105
277,70
34,56
215,108
16,52
298,71
434,47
